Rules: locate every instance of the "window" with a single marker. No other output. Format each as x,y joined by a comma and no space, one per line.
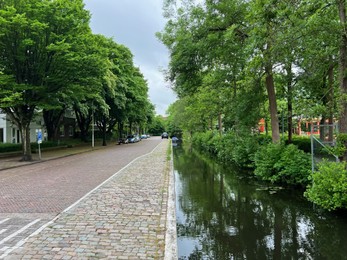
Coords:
61,131
70,130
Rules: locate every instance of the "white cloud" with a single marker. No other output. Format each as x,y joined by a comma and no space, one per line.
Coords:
134,24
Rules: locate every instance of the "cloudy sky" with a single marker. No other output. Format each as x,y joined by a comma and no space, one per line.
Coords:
134,23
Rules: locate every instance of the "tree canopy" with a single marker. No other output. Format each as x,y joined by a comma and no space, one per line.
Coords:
239,61
50,61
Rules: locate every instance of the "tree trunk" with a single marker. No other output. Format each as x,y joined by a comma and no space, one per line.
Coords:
83,124
120,130
53,120
26,147
270,86
290,102
220,124
21,117
321,129
104,128
342,72
331,101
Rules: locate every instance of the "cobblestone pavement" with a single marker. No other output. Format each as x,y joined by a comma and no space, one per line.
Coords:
123,218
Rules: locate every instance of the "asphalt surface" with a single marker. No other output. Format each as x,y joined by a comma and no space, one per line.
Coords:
83,203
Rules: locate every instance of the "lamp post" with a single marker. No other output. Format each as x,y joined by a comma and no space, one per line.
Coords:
92,127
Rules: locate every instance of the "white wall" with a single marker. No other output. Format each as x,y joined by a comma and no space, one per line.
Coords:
11,132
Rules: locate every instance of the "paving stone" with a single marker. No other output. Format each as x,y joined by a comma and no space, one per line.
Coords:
122,219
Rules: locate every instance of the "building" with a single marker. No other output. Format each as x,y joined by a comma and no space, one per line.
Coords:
9,132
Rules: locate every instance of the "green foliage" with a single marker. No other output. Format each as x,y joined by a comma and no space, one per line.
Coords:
329,186
302,142
157,126
51,61
239,149
205,141
282,164
7,147
229,148
341,141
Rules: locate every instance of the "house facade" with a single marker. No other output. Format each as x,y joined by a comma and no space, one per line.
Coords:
9,132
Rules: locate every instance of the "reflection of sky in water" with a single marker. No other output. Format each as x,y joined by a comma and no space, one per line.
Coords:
231,231
304,227
269,240
187,245
180,216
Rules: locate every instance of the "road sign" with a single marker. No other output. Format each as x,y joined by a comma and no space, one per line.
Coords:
39,137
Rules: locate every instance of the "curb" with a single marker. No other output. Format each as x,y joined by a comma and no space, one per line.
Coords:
171,228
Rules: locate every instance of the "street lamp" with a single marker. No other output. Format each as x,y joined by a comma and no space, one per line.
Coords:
92,127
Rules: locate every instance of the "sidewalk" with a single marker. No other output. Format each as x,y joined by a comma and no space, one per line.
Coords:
129,216
12,161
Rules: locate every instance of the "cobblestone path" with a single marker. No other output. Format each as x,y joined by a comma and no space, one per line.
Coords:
123,218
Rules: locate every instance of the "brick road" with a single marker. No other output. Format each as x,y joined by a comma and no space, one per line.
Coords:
124,218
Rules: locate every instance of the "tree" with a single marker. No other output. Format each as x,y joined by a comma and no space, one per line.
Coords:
35,37
157,126
205,43
342,73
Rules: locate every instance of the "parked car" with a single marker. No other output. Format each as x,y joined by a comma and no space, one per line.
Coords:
137,138
175,140
144,137
164,135
123,140
131,138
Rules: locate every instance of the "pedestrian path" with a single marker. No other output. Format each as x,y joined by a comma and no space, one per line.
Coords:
8,161
14,230
126,217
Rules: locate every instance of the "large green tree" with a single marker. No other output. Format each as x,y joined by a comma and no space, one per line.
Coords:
287,50
35,57
341,4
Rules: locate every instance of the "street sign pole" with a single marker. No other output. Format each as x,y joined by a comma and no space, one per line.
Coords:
39,141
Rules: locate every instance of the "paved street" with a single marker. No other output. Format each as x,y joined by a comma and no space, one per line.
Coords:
122,218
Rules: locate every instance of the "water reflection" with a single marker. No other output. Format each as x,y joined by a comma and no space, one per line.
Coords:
223,214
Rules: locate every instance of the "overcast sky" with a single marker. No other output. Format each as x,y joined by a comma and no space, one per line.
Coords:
134,23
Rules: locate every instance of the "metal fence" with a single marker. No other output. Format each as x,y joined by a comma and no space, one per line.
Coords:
323,139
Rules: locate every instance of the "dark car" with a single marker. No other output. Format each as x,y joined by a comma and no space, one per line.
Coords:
164,135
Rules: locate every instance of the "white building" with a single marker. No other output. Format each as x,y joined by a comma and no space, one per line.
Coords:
9,132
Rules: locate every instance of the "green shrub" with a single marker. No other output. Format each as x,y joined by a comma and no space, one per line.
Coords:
264,139
7,147
282,164
265,160
230,147
294,166
302,142
205,141
329,186
241,149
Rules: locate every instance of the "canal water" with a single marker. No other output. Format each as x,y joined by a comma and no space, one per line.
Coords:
224,213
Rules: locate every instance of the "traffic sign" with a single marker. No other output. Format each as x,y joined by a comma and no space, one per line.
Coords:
39,137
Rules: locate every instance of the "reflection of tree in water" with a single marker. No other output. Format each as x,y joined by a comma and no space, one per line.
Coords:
233,217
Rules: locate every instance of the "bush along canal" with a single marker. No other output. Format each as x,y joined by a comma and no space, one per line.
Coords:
223,213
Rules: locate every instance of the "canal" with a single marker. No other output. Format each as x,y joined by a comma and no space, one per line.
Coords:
224,213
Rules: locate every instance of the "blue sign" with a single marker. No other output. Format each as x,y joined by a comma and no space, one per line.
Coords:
39,137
